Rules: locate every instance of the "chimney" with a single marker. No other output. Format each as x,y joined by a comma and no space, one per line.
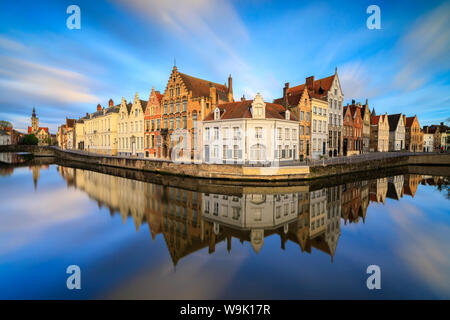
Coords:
243,98
310,83
212,95
111,103
99,107
285,90
230,84
353,101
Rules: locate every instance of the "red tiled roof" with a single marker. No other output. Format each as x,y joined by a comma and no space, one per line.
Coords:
31,128
200,87
294,93
409,121
159,96
375,119
241,109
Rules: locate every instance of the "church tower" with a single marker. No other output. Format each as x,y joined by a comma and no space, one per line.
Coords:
34,121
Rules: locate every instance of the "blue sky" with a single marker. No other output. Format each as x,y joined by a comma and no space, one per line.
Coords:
124,47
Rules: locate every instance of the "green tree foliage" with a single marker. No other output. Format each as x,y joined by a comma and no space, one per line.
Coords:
5,124
29,139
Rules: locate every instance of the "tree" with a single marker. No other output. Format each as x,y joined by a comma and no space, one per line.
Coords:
5,124
29,139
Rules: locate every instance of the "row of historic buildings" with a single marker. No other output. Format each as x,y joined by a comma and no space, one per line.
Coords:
196,119
190,221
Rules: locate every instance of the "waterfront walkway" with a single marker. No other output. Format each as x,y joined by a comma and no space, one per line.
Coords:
309,163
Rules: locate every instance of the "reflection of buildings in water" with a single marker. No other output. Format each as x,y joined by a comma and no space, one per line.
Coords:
6,157
253,212
432,180
183,229
190,221
36,170
411,184
318,209
395,187
378,189
364,198
122,195
351,202
334,208
303,217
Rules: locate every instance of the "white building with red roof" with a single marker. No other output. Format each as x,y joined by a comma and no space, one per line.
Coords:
250,132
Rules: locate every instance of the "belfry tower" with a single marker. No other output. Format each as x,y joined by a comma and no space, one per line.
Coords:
34,121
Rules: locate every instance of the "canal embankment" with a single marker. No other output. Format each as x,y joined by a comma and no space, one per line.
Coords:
236,172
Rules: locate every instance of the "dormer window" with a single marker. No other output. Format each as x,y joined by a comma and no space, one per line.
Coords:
217,114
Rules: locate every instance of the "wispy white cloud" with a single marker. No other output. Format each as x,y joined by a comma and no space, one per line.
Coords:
424,249
19,76
424,50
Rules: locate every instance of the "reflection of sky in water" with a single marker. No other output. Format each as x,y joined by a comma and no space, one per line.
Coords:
43,231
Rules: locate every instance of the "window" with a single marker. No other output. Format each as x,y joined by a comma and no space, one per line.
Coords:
178,123
224,133
258,111
294,134
207,137
216,133
320,111
165,107
235,152
136,112
236,213
171,123
184,105
258,132
194,120
315,110
314,125
279,133
302,115
307,116
224,151
236,134
184,122
178,103
171,107
286,134
302,130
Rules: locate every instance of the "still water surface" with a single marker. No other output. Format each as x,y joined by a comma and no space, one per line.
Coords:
134,239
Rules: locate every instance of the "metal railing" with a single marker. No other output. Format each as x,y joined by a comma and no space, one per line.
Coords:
363,157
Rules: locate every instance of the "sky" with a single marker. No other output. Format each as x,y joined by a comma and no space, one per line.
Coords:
125,47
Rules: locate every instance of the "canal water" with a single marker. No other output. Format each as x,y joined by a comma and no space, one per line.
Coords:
134,239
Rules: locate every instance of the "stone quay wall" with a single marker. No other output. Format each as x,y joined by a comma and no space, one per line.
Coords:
232,171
